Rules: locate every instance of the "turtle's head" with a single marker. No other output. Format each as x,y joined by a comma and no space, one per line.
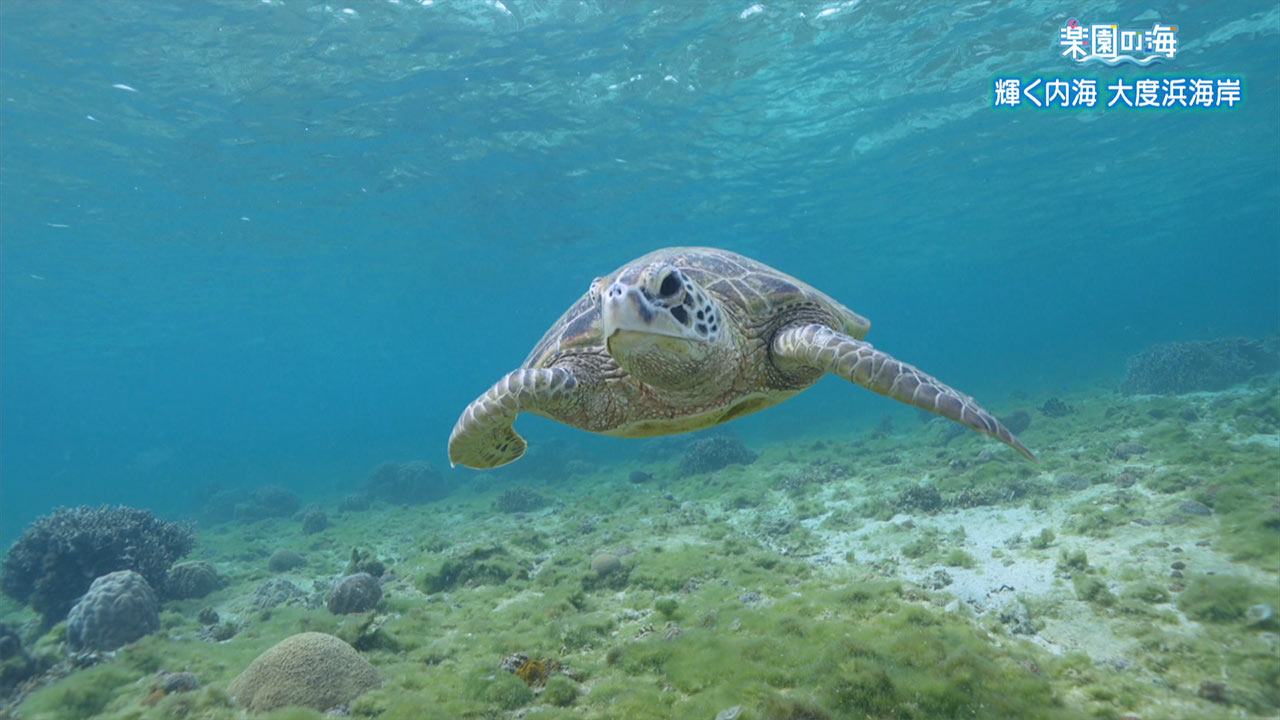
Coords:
661,327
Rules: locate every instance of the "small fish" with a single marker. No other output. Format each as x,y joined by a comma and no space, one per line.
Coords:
57,225
122,86
36,277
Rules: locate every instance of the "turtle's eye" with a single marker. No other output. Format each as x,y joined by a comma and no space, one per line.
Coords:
670,286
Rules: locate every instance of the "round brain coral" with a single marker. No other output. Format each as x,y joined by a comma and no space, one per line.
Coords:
309,669
119,608
193,579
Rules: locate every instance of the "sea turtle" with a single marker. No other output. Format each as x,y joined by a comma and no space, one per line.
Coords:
685,338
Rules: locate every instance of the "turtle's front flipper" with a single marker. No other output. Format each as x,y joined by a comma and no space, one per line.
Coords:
483,436
818,346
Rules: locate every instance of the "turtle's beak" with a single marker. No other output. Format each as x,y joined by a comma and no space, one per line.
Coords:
625,308
632,323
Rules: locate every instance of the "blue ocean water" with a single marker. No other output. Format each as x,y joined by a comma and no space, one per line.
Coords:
280,241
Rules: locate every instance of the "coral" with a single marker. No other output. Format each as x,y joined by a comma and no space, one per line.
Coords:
119,608
607,571
355,502
605,563
59,555
193,579
1055,408
218,505
407,483
1017,422
1183,367
713,453
314,521
309,669
355,594
284,561
516,500
266,502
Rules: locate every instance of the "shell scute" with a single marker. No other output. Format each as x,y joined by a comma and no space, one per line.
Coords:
751,290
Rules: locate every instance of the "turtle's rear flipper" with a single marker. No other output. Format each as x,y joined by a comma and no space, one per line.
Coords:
483,436
818,346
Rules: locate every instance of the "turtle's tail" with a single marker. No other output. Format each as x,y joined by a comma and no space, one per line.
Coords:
856,361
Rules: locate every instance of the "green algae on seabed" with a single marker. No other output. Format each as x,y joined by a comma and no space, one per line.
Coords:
852,651
1222,598
748,625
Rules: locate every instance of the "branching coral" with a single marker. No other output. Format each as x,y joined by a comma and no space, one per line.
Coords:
59,555
1192,366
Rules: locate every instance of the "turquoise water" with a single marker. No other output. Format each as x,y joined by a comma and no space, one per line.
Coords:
310,238
279,242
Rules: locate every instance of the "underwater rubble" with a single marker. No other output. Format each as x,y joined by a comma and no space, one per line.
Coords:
906,572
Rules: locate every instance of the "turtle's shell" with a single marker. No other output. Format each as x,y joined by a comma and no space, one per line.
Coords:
751,293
